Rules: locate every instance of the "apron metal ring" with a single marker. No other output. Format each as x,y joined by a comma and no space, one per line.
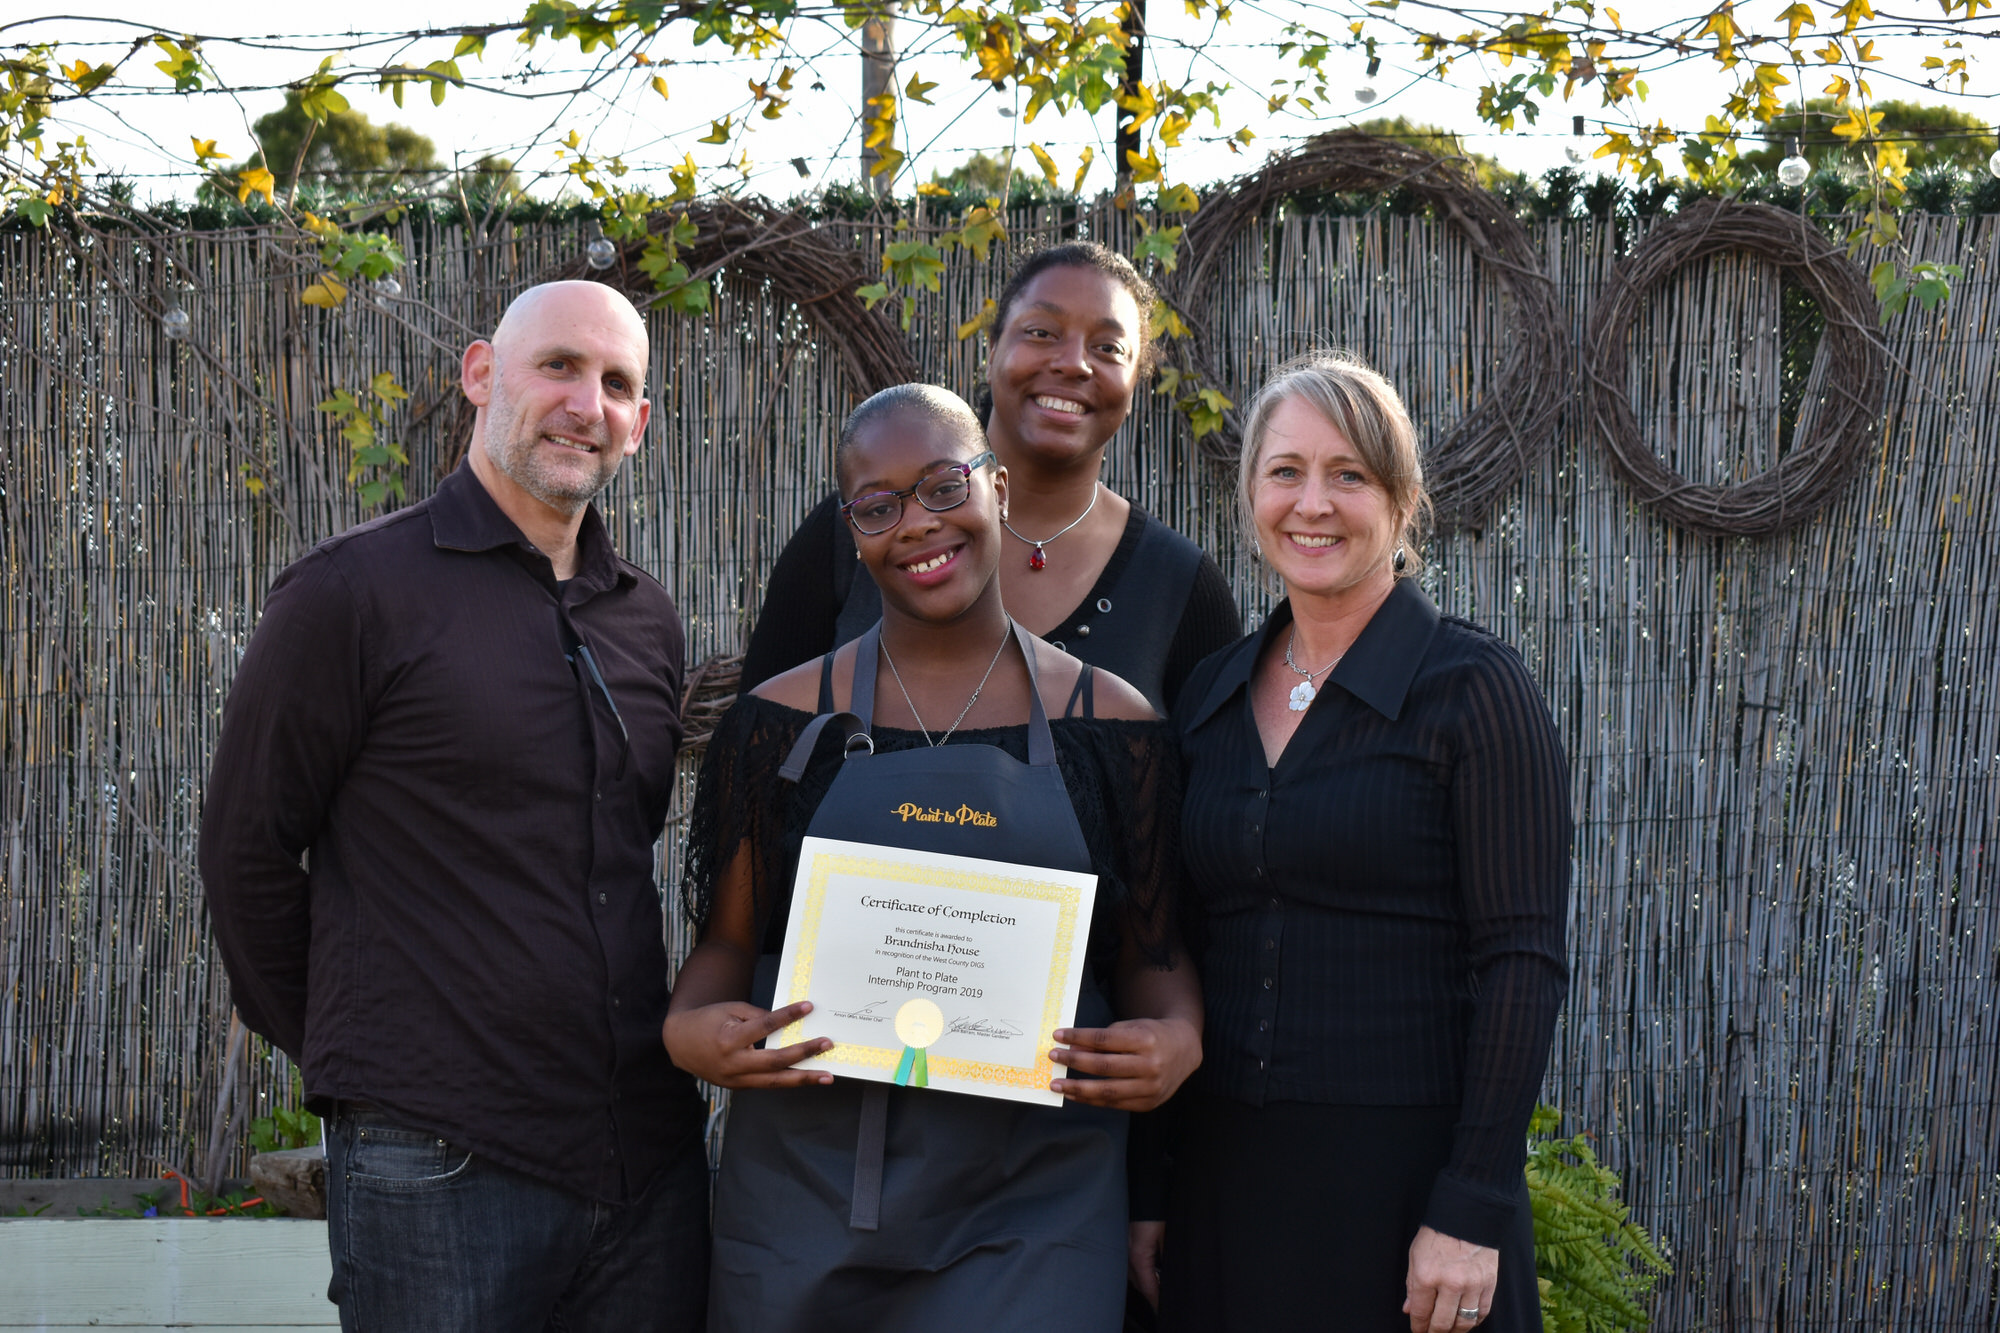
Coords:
866,742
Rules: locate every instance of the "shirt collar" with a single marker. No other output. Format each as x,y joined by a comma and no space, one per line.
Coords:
1377,670
465,517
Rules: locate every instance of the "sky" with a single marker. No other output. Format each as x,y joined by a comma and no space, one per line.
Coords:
149,141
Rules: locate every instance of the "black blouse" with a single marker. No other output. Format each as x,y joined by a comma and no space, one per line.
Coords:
1123,779
809,584
1379,918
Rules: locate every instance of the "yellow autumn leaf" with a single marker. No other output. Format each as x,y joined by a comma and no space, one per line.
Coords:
1044,161
1083,168
718,131
1795,18
1859,124
660,87
204,149
933,190
978,321
326,293
256,180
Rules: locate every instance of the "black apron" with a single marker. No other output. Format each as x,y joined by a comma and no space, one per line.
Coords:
1126,624
867,1207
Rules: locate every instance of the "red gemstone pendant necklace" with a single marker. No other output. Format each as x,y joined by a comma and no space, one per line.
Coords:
1038,559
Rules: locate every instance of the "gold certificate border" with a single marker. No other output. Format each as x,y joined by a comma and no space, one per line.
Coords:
1065,896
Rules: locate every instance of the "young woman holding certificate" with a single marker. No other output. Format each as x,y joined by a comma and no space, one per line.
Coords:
853,1204
1377,837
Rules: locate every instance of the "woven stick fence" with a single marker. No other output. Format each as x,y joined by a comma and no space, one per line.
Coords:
1782,1028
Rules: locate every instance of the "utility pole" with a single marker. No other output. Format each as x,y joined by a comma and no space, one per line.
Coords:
1135,75
878,79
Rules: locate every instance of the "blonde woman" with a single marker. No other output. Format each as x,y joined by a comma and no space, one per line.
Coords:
1377,838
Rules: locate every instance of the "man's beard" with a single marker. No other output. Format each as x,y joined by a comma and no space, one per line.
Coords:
521,460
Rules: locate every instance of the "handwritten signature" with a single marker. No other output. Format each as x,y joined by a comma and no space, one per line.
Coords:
867,1013
983,1027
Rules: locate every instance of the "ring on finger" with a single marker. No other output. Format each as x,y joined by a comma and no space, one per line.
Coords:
1468,1314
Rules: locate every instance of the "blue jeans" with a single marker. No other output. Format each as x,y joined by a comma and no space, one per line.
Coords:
427,1238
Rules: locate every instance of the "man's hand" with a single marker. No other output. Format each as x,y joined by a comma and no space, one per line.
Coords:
718,1043
1137,1063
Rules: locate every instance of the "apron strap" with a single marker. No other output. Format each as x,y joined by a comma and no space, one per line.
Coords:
869,1144
861,704
867,662
1041,741
856,728
826,683
858,740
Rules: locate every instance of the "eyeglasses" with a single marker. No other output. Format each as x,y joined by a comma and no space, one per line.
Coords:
878,511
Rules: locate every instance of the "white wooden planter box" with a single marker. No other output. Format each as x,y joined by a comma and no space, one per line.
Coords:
180,1273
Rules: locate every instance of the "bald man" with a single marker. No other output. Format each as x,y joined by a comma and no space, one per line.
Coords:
427,845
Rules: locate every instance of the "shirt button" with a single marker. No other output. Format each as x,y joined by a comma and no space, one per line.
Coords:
1256,828
600,897
598,796
1083,631
1263,1025
614,999
1267,985
1260,1064
1262,794
1270,944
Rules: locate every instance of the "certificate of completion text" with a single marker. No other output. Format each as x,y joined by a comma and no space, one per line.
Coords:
931,970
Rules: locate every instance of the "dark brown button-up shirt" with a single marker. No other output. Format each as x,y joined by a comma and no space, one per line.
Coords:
428,838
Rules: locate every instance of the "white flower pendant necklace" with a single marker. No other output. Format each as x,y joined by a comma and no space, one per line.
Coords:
1303,693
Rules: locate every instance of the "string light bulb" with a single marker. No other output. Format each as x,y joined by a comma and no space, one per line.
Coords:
387,290
175,322
1575,151
601,253
1366,92
1794,169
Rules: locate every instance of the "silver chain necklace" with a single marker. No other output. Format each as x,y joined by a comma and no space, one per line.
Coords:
1303,693
925,731
1038,559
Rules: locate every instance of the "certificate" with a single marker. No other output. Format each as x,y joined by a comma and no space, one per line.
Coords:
935,971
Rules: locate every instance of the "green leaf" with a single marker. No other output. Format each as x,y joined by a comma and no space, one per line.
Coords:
35,211
690,298
384,386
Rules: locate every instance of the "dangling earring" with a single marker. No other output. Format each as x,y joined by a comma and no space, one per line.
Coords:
1401,561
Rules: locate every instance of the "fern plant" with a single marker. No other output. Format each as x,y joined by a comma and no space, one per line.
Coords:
1594,1264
